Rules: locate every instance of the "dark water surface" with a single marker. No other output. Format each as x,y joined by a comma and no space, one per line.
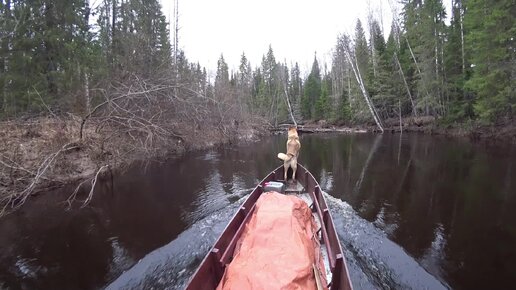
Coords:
416,212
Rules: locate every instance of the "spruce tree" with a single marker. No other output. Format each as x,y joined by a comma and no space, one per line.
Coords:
244,83
425,33
460,106
45,55
296,90
364,68
491,29
399,94
322,108
221,79
361,51
312,91
135,36
381,72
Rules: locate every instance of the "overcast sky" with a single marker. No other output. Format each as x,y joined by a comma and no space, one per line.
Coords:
295,29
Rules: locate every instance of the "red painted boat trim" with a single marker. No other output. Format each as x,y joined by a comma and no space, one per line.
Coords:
211,269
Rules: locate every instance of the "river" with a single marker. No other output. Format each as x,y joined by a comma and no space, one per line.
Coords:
412,212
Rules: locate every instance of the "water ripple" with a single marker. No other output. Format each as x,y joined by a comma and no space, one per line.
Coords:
373,258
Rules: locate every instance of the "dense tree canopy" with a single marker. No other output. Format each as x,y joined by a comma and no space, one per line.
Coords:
52,57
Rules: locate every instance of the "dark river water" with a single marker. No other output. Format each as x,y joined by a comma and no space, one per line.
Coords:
412,212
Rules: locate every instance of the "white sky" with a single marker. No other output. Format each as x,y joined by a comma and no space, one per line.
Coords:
295,28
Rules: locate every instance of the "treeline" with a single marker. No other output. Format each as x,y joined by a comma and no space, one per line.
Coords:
52,58
458,72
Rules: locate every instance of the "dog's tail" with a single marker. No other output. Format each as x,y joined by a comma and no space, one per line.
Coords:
284,156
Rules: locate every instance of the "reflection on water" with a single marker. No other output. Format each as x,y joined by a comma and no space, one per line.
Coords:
447,203
170,266
383,263
413,212
42,246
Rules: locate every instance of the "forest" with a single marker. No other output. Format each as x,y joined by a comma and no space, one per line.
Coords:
109,81
54,59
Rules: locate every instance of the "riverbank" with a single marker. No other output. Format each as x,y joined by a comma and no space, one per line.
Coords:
501,132
46,153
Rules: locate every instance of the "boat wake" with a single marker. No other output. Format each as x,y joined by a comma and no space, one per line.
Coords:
170,266
374,261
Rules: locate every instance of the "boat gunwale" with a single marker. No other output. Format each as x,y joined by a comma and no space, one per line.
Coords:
219,256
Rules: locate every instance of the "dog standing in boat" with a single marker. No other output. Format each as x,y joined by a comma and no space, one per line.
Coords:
290,159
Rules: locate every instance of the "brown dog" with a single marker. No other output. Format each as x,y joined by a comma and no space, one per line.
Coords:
293,146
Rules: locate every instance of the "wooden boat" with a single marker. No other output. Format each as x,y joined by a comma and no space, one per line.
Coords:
211,270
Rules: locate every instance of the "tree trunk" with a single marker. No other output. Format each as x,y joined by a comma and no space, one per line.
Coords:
87,91
113,36
461,20
349,88
399,108
49,50
4,65
358,76
176,33
373,52
414,110
413,56
284,81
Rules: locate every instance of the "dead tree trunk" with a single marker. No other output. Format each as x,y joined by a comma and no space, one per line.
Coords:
87,91
289,105
397,36
358,77
461,19
283,80
414,110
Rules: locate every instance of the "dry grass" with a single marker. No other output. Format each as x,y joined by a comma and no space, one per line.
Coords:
39,154
137,119
43,153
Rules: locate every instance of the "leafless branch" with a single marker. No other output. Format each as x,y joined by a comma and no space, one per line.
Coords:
45,104
88,199
17,199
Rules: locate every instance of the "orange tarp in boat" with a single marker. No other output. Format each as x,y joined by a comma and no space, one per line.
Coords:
278,248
